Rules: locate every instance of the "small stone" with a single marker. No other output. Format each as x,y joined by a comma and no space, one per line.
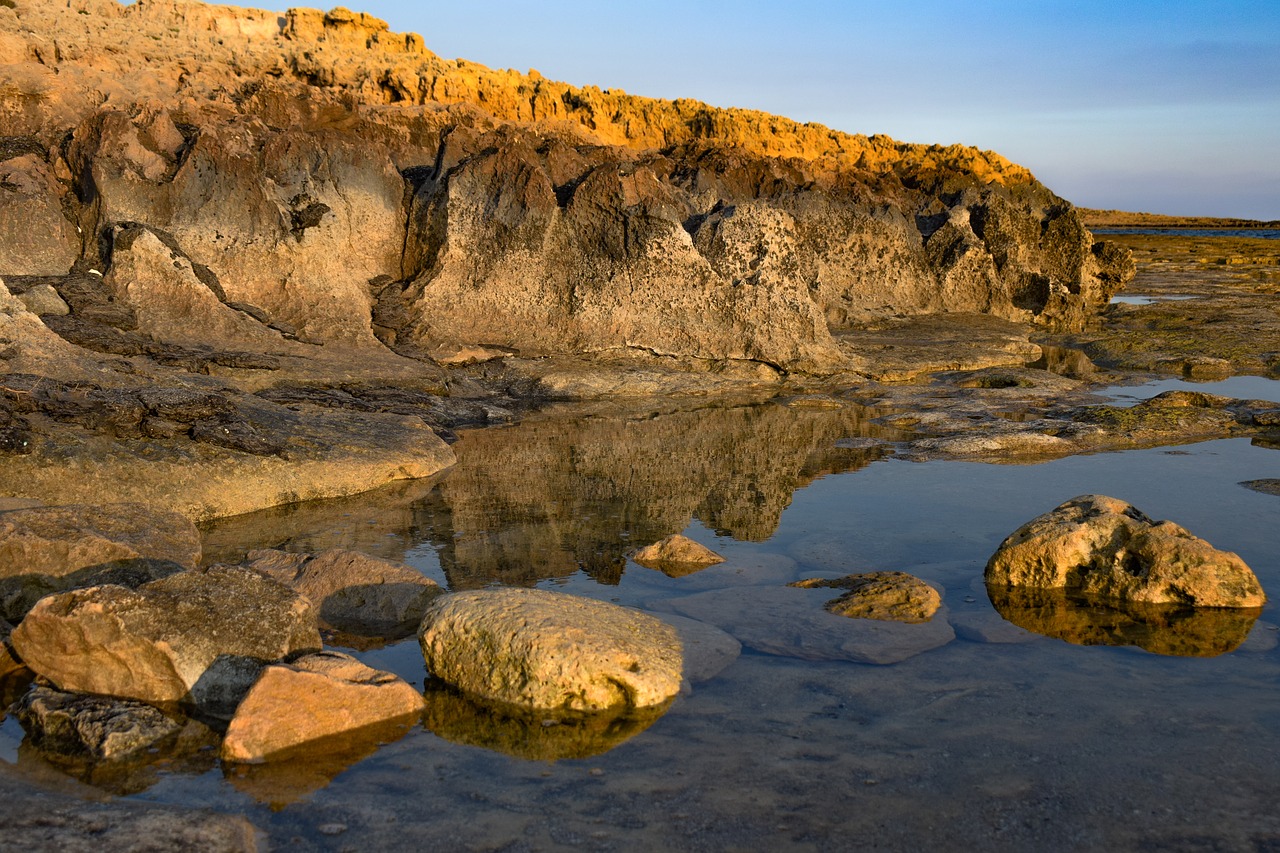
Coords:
332,828
888,596
676,556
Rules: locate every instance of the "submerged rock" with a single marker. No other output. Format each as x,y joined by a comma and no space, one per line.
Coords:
537,649
793,623
353,592
889,596
314,697
1104,547
676,556
159,642
99,727
47,549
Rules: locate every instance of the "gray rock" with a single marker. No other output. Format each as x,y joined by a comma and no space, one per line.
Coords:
99,727
708,651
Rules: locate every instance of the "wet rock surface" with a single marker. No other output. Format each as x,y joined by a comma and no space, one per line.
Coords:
794,623
1103,547
550,651
98,727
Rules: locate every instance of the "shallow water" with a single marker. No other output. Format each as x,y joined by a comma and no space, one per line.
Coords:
1259,233
1135,299
1002,738
1239,387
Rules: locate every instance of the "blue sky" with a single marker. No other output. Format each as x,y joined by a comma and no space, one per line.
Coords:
1168,107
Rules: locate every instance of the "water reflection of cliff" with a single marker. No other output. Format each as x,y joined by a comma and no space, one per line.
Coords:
572,490
1160,629
555,494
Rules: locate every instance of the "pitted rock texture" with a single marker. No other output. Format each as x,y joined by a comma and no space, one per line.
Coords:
676,555
1100,546
551,651
158,642
78,724
889,596
323,179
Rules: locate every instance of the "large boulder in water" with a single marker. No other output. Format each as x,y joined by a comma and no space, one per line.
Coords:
1100,546
552,651
167,639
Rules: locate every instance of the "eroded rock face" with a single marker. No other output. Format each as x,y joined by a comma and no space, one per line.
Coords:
354,592
47,549
158,642
1104,547
547,650
313,697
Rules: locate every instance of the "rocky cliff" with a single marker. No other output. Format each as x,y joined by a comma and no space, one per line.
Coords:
277,181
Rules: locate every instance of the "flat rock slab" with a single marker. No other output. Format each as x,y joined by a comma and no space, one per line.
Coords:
314,697
354,592
158,643
1267,487
48,549
793,623
707,649
888,596
538,649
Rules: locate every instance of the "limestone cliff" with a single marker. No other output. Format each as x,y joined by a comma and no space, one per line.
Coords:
315,178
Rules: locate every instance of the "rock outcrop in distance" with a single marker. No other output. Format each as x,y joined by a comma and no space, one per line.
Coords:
266,182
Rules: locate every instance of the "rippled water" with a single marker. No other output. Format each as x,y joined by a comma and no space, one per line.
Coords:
1001,738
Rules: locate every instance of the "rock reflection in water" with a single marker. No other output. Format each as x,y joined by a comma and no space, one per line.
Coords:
291,775
1160,629
557,494
532,735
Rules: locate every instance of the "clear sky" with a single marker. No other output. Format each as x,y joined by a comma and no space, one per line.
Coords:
1167,107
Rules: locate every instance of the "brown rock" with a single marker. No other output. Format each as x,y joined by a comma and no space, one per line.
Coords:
314,697
1104,547
889,596
354,592
676,556
35,238
548,650
47,549
157,643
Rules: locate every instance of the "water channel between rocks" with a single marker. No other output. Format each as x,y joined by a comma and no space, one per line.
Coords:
1001,738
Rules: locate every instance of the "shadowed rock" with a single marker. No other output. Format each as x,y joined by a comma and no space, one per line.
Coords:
98,727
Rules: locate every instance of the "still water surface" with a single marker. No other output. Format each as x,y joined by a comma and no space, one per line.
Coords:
1000,739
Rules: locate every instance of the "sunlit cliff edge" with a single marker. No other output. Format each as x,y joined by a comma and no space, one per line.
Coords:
325,180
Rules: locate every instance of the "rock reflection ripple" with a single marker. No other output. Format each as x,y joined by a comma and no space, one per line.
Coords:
1160,629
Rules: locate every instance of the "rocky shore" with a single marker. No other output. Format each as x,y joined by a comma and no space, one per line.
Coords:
297,255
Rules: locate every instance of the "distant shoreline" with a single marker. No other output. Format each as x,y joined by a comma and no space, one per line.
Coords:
1125,219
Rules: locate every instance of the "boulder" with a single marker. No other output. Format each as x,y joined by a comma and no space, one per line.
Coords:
47,549
99,727
549,650
889,596
676,556
793,623
353,592
313,697
159,642
1103,547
